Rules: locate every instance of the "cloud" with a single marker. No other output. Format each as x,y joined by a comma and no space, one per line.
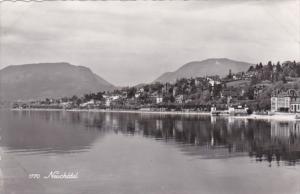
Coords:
133,42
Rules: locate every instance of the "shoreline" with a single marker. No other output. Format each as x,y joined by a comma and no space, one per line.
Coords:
119,111
276,117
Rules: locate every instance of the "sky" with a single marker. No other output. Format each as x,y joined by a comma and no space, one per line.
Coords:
132,42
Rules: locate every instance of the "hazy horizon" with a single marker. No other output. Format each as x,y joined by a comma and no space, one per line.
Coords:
128,43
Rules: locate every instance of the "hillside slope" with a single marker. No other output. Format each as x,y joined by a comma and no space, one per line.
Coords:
44,80
216,66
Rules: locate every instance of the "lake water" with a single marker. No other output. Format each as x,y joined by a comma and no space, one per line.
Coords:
121,153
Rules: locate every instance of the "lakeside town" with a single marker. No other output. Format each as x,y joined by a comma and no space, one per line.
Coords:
263,89
150,97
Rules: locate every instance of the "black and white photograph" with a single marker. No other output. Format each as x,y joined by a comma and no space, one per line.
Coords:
149,97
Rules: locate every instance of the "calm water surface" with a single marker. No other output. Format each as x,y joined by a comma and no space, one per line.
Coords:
121,153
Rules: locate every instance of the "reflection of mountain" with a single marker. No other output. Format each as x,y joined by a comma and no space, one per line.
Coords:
47,132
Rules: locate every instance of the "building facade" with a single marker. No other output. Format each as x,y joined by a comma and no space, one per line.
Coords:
285,101
295,105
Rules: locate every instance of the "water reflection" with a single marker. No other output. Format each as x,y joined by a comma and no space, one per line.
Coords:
47,132
205,137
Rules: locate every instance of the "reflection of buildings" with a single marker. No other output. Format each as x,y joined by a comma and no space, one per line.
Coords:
107,118
230,123
179,125
213,120
285,130
208,137
159,125
115,123
136,126
222,138
212,140
283,145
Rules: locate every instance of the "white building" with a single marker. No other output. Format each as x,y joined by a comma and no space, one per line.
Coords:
281,101
138,94
86,104
213,82
107,102
66,105
179,99
159,99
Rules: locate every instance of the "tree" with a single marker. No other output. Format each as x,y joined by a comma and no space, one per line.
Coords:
146,88
74,98
78,102
229,74
298,70
99,96
251,68
87,97
278,67
257,67
254,80
249,93
47,101
144,98
64,99
169,98
283,79
205,96
131,92
269,65
217,90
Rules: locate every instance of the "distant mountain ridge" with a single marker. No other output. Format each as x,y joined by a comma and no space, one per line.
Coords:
213,66
48,80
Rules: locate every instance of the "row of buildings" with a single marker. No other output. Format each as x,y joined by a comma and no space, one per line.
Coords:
187,93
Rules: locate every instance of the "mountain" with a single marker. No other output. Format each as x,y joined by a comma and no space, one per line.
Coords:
44,80
214,66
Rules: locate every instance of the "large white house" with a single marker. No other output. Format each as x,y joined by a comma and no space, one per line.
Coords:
285,101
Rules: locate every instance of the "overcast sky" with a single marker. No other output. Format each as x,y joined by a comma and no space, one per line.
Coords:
128,43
